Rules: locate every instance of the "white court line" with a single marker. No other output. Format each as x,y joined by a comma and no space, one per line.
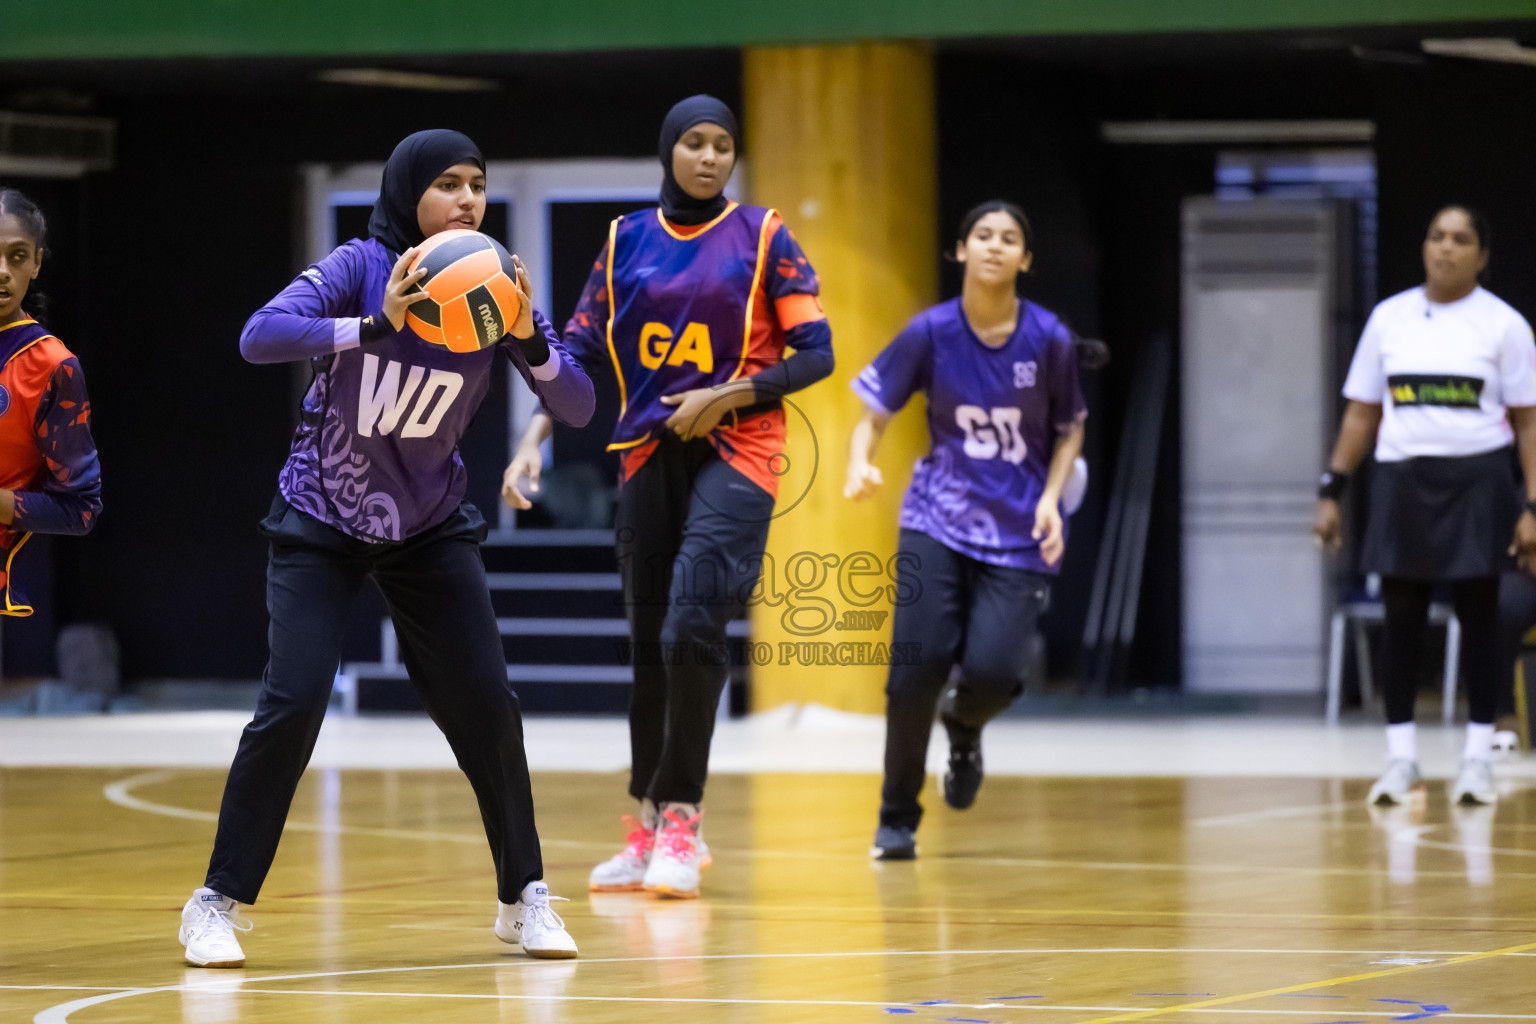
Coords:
70,988
1274,812
738,1001
60,1014
1468,848
120,793
1215,869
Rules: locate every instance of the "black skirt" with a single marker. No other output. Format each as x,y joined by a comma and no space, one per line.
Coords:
1441,518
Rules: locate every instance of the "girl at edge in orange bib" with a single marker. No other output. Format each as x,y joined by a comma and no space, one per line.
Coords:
691,307
50,479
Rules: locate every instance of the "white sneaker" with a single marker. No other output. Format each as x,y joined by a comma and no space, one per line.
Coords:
1397,784
675,862
625,870
531,923
1474,784
1506,745
208,925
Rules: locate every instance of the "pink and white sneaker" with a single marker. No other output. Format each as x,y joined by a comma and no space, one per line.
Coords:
625,870
676,859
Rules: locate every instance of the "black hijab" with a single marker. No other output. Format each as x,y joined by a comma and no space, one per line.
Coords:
411,169
677,205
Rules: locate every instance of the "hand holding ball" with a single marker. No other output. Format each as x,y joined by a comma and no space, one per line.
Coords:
471,297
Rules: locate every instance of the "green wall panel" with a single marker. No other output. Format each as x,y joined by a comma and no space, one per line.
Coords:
75,29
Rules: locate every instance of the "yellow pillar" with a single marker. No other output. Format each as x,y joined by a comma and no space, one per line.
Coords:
841,140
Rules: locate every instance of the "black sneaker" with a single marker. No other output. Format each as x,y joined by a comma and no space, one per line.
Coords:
963,778
893,842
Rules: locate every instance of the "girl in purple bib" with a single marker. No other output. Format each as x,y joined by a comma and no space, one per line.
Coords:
982,518
374,489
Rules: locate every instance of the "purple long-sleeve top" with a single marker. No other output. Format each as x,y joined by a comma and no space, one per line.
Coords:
375,454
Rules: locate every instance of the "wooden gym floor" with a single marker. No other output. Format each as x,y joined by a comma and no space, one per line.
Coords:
1069,900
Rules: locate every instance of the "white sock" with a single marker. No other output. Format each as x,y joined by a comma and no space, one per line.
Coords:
650,814
1479,742
1402,742
206,896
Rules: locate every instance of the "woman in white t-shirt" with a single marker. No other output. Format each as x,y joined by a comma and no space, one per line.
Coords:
1441,373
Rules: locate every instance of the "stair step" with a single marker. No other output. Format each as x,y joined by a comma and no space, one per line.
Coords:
590,627
515,673
549,538
566,575
552,580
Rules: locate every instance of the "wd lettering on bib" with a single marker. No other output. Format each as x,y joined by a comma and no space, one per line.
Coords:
1446,390
694,347
383,401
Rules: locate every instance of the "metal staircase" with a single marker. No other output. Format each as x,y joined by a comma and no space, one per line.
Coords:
560,613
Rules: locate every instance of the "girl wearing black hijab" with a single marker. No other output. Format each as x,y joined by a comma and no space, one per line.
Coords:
691,307
374,489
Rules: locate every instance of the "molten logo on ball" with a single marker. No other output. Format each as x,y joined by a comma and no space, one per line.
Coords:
493,330
470,291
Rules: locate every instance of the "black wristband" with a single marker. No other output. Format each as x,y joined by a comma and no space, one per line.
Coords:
1332,485
535,349
1530,505
374,327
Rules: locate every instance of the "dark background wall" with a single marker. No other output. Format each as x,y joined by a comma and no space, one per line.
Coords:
158,262
1022,121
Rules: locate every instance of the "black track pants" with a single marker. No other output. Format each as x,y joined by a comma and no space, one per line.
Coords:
981,617
434,585
1402,642
690,537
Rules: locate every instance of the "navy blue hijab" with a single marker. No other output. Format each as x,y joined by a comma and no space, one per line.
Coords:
677,205
412,167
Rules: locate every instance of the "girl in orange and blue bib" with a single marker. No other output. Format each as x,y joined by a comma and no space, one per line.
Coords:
50,479
691,307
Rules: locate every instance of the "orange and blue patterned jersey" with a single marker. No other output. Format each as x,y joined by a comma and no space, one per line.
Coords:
47,455
672,308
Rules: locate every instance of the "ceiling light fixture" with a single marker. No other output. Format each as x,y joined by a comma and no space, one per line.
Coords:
387,78
1506,51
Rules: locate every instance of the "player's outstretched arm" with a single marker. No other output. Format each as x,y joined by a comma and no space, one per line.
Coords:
864,477
527,463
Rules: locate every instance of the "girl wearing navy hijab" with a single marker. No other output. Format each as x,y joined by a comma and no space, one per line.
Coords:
691,307
374,489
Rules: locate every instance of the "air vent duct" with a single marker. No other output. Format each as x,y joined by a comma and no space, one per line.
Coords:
54,145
